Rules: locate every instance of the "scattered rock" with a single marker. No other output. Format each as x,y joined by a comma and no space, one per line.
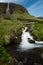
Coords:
37,64
7,39
35,36
32,41
13,37
25,60
14,61
42,55
20,63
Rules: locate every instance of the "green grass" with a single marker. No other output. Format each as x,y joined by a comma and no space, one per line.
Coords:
6,26
5,58
39,30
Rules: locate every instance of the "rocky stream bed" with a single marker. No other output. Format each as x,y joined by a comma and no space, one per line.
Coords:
29,57
32,56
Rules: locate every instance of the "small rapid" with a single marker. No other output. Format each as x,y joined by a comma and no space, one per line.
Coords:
25,44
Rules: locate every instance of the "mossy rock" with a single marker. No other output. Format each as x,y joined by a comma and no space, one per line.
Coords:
7,39
32,41
17,40
35,35
13,37
18,35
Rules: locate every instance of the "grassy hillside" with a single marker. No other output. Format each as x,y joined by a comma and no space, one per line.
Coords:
7,23
18,16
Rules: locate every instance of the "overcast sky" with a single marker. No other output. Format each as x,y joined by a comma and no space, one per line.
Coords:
34,7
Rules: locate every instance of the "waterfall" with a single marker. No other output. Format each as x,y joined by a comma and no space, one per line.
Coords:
25,44
8,9
39,42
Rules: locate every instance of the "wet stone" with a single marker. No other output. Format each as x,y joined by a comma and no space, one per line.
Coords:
42,55
20,63
37,64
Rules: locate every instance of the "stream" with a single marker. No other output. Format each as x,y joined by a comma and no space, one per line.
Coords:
26,53
25,44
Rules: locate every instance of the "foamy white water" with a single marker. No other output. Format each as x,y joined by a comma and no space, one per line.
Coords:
8,9
25,45
39,42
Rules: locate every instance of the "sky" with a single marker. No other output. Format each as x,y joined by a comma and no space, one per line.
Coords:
34,7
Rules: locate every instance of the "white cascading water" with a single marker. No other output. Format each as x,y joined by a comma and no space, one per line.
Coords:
25,45
39,42
8,9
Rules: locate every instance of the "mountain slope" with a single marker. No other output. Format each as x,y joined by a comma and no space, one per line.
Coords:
18,16
13,7
14,21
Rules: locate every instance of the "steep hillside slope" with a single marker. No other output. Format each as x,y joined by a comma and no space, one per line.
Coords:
16,19
12,21
13,7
